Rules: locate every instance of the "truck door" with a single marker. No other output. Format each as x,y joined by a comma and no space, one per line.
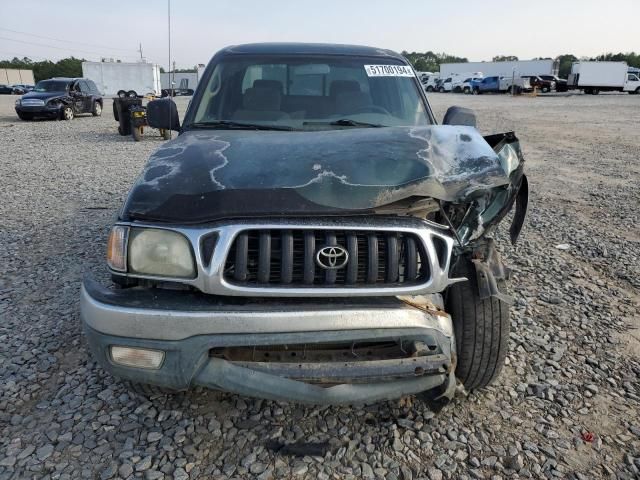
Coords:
490,84
86,96
77,96
632,84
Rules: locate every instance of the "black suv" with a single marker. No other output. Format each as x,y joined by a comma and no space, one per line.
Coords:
61,98
561,83
545,86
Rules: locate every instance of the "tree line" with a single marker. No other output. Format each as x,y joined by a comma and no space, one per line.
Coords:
422,62
67,67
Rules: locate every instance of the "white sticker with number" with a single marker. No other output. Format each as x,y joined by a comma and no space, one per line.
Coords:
388,71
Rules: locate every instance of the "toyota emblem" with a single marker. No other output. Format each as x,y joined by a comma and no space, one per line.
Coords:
332,257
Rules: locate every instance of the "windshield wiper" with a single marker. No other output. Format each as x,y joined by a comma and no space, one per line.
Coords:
228,124
346,122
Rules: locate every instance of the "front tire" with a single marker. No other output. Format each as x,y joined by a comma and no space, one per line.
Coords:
97,109
481,328
67,113
429,89
476,91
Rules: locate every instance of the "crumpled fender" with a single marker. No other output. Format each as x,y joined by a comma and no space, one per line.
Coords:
522,205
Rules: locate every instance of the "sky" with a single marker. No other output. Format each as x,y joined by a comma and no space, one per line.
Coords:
476,29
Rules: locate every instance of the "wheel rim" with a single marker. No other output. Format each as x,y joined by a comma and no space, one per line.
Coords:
68,113
98,109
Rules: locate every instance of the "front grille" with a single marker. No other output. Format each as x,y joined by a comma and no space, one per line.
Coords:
32,102
287,257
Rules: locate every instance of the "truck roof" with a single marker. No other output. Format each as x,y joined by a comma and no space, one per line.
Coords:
309,49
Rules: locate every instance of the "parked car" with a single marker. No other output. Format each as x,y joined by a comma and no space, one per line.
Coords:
498,84
21,89
446,85
433,83
6,89
424,76
458,80
61,98
177,92
561,83
540,83
311,235
465,87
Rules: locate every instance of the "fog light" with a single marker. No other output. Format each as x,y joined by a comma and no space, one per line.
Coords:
137,357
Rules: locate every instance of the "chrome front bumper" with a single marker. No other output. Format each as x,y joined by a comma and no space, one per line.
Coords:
188,326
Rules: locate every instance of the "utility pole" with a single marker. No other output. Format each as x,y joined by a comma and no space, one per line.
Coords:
140,50
173,78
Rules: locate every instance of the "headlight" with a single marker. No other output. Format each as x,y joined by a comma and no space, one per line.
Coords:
508,159
159,252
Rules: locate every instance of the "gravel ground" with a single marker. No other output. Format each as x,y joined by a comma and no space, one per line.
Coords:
566,406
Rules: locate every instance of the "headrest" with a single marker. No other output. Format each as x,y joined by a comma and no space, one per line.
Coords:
272,84
264,99
343,86
350,102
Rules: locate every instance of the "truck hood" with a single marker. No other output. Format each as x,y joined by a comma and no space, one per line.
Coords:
207,175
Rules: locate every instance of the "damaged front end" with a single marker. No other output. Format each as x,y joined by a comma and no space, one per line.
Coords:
474,219
259,313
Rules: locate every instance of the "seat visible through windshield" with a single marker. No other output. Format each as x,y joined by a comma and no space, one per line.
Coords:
303,94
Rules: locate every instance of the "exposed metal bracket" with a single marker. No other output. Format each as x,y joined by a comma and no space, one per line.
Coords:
490,269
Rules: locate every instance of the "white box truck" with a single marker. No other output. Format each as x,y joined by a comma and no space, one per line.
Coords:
596,77
111,77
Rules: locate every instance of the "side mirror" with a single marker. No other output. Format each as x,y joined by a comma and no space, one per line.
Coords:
163,113
459,116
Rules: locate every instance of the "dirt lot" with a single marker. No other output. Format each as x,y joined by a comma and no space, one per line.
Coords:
566,406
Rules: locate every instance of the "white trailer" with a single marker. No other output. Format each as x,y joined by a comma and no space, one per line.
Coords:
596,77
111,77
180,80
13,76
504,69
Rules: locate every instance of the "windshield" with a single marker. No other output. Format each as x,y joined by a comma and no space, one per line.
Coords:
317,93
51,86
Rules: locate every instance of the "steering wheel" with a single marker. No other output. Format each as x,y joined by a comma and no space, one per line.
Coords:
372,109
